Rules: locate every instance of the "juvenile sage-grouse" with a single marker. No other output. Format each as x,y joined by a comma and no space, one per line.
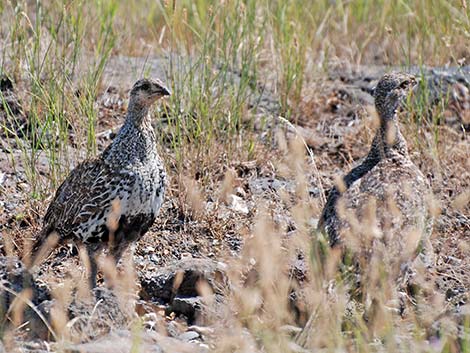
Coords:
386,192
114,199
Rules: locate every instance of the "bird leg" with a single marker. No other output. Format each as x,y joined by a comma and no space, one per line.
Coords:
117,253
93,274
93,269
117,249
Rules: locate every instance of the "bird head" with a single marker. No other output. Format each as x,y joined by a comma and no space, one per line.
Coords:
391,91
146,91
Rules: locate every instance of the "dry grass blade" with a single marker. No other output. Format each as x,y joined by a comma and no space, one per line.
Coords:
46,248
310,153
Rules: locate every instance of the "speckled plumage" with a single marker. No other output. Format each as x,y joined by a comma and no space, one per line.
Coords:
387,177
114,199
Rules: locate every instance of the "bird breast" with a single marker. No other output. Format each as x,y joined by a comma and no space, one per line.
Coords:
147,193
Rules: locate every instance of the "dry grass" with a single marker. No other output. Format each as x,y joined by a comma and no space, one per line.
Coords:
220,143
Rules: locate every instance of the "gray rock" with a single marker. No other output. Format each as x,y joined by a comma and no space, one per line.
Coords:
124,341
14,278
263,185
89,318
191,307
163,285
197,310
202,330
189,336
97,316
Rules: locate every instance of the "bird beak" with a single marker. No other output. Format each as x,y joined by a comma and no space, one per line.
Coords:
166,91
162,91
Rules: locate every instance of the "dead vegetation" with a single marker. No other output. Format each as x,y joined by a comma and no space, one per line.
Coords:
234,263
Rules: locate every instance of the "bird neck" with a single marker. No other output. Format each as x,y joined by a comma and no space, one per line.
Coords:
138,123
387,143
388,140
137,114
135,141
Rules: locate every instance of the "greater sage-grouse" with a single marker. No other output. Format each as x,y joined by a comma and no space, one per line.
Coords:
114,199
386,194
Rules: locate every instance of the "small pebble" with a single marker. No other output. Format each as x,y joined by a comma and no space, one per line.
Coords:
202,330
189,336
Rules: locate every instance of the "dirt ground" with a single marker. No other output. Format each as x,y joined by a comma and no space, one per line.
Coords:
335,121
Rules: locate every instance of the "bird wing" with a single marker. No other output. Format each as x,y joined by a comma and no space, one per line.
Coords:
88,190
399,190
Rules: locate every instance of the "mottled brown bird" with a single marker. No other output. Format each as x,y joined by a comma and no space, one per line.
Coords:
386,187
112,201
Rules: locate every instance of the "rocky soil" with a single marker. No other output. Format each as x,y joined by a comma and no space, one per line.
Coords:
186,254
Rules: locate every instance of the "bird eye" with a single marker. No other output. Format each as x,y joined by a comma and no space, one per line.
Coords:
405,84
145,86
